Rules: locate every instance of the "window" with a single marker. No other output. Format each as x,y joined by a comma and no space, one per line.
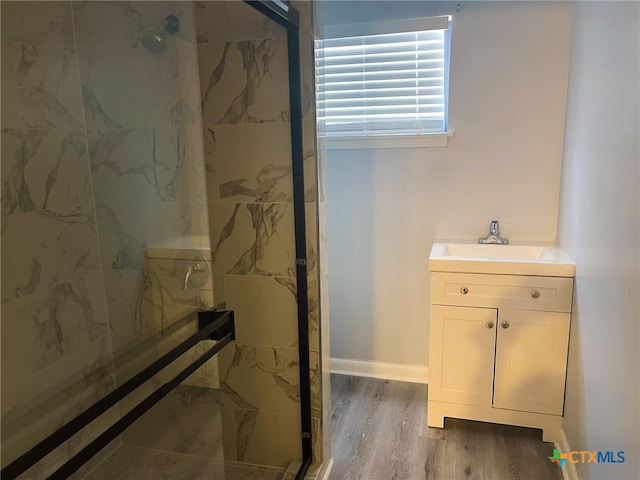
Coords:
391,83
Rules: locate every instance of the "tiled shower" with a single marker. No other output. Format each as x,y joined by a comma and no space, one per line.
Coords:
122,170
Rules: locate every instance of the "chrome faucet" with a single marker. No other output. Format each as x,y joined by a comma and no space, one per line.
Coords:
494,235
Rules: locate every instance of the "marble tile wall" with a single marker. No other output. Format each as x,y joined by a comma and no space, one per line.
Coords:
243,65
102,158
145,146
110,151
189,419
55,328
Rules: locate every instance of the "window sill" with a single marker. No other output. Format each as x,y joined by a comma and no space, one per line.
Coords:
389,141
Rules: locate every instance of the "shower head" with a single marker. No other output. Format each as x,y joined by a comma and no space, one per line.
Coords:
154,37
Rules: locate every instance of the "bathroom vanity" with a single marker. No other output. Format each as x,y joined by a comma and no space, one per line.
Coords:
499,334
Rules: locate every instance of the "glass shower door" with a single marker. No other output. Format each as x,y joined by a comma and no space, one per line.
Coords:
146,175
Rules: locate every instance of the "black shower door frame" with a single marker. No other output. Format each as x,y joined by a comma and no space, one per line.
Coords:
288,17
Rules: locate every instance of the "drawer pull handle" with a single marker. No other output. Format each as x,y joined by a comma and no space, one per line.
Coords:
535,293
464,290
489,324
505,324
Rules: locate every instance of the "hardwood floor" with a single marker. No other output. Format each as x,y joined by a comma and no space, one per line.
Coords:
380,432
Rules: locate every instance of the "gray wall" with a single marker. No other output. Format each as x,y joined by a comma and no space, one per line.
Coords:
599,227
386,206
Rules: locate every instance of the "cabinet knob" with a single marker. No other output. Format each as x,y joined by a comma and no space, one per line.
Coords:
489,324
464,290
505,324
535,293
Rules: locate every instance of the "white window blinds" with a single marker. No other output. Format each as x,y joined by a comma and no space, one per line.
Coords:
383,84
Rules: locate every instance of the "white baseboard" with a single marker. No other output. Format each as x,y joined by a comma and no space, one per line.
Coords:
387,371
327,472
569,471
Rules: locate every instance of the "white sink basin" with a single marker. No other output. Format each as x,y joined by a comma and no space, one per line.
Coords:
548,260
528,252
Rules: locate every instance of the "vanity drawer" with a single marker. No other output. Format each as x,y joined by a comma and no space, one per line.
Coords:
551,294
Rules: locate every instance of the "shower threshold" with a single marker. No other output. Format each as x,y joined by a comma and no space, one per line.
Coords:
130,462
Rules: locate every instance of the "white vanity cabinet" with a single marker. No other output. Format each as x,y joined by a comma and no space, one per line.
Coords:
498,349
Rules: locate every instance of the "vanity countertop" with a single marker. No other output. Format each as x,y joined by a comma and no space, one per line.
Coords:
513,259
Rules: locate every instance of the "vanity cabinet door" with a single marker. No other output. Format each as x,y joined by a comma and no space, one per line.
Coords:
531,359
461,354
